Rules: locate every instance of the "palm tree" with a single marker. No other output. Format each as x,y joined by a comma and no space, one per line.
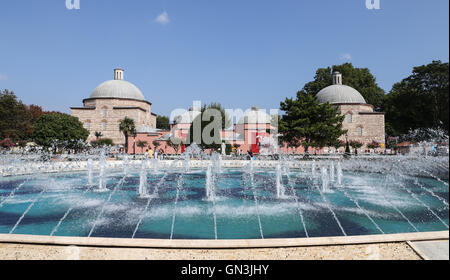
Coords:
142,145
156,144
127,127
98,134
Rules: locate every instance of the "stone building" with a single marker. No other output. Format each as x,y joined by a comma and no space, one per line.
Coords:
109,104
363,124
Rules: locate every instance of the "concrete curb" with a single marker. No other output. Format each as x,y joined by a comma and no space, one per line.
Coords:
221,244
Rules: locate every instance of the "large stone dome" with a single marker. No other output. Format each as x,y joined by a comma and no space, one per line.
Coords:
117,88
339,93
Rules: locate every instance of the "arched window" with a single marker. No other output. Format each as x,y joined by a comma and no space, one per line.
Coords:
103,125
349,117
360,131
87,125
105,112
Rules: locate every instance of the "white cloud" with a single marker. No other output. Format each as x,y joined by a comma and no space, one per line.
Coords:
163,18
346,56
3,77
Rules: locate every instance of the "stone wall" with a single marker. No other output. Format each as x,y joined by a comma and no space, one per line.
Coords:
112,112
371,124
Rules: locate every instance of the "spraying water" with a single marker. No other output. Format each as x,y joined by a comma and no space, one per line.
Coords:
142,189
90,170
279,183
339,174
126,165
332,171
325,180
313,169
102,179
209,184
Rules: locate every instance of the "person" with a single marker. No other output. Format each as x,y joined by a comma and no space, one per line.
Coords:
249,155
150,153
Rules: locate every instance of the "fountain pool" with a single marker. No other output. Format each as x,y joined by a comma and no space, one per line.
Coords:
253,202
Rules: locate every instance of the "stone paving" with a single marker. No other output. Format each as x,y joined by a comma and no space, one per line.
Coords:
379,251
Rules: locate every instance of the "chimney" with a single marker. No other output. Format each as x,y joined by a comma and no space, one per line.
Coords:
118,74
337,78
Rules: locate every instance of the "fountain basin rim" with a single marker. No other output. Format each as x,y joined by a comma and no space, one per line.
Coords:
224,243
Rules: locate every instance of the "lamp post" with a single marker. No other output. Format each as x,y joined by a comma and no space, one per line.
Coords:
347,148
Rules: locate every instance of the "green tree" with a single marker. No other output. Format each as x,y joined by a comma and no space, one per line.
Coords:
206,128
228,149
355,145
359,78
336,144
309,124
419,101
162,122
392,143
35,112
127,127
142,145
175,143
15,118
373,145
59,127
156,144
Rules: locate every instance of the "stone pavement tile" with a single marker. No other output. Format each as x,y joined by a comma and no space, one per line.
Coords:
432,250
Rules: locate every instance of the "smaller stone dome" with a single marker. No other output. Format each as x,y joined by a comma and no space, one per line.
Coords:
339,93
255,116
117,88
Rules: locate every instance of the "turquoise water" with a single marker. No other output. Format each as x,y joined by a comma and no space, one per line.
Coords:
64,204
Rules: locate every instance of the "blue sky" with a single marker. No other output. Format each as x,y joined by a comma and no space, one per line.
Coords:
237,52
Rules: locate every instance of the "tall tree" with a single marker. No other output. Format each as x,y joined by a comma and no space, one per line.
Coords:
207,126
307,123
419,101
35,112
359,78
15,118
127,127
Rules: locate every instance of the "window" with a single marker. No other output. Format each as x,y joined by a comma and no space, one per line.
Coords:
349,117
105,112
360,131
103,125
87,125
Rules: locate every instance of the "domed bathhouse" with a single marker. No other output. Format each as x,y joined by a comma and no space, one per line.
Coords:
109,104
362,123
